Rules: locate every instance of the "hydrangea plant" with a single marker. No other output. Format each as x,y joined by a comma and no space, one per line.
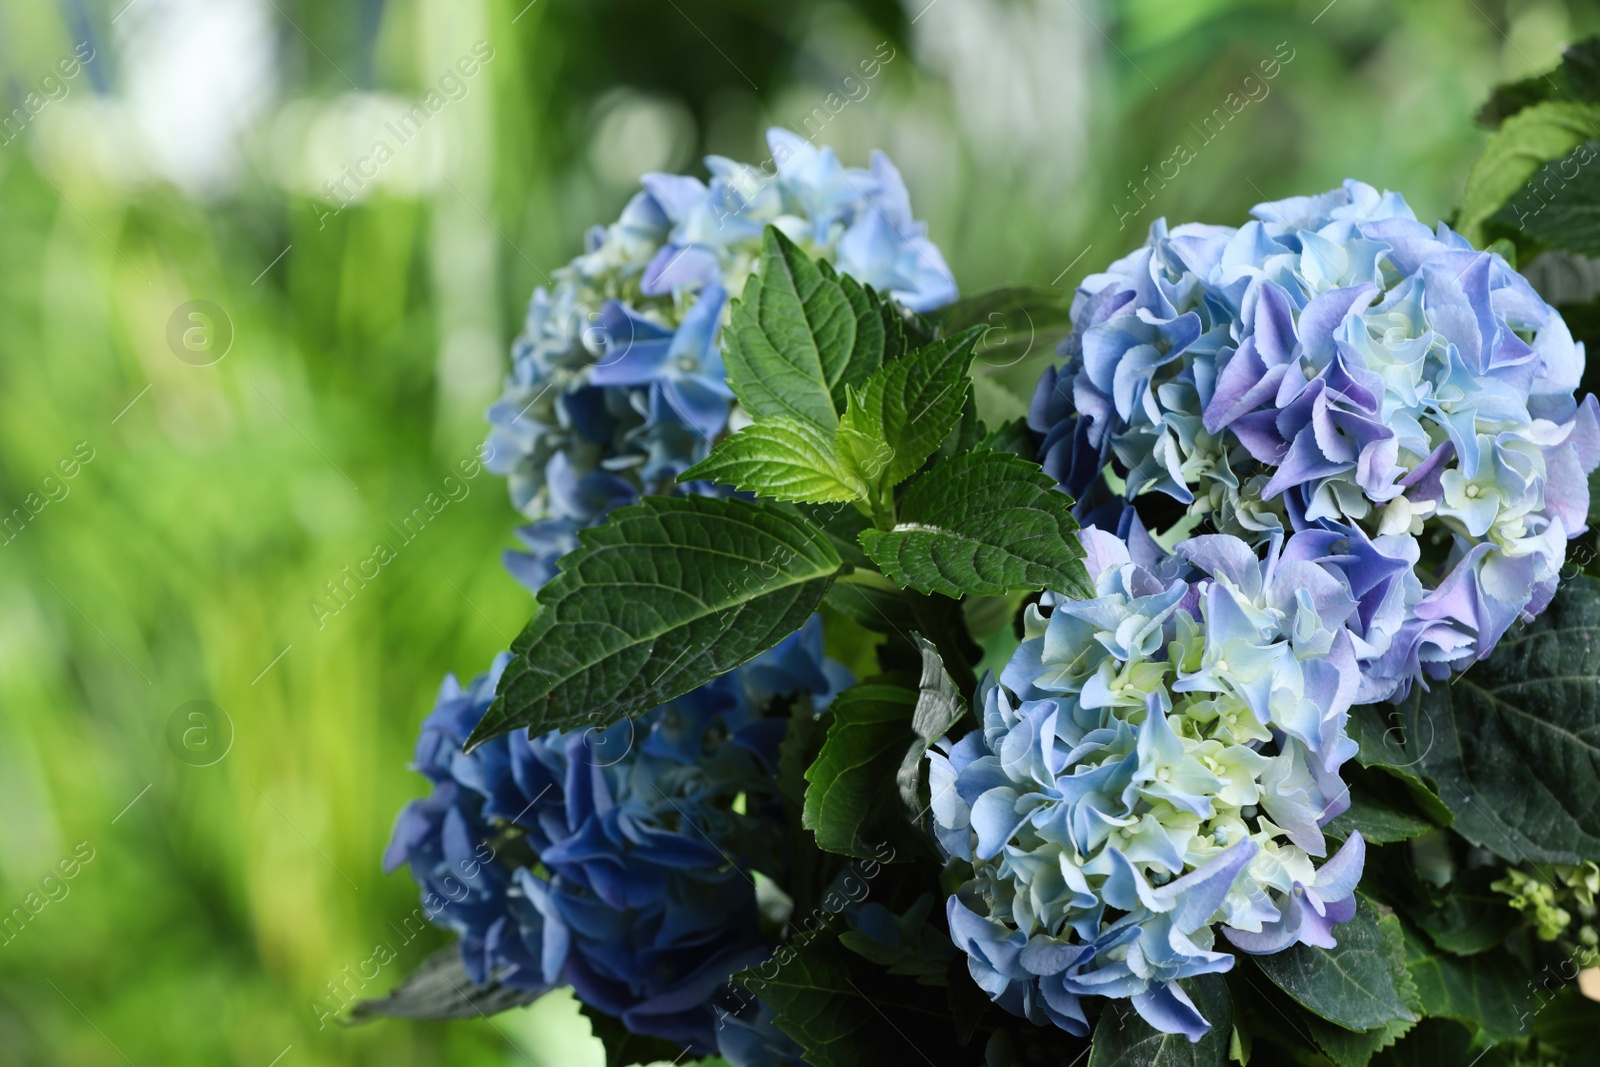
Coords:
617,385
1235,703
1335,365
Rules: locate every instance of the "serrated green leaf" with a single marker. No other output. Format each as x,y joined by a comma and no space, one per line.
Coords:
939,706
1360,984
1431,1043
983,523
440,989
1523,144
1560,203
1122,1039
849,805
1576,78
1513,744
659,599
798,337
1348,1048
914,402
1013,437
781,458
1490,991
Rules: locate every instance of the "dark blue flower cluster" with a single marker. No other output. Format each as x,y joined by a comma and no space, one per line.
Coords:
622,861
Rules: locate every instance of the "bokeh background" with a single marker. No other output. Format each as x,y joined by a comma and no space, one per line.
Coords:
354,329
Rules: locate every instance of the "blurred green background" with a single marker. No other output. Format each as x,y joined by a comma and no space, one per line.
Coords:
234,866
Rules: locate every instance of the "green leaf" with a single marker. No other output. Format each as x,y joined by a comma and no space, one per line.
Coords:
440,989
1380,815
849,805
662,597
781,458
1380,732
914,402
843,525
1513,745
1468,917
1013,436
1577,78
1515,153
983,523
798,337
843,1015
1349,1048
884,611
624,1048
940,706
1433,1042
1360,984
1490,991
1122,1039
1560,204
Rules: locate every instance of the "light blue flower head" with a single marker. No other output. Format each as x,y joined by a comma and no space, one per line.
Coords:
617,384
1155,763
1336,366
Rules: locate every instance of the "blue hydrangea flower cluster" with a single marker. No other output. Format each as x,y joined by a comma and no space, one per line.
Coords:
620,861
1154,764
617,384
1336,366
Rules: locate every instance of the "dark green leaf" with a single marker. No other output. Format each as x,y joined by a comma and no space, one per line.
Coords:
781,458
1577,79
1349,1048
939,706
659,599
1433,1042
984,523
1490,990
1513,745
843,524
1468,917
1360,985
624,1048
1559,205
847,1016
795,340
1515,153
884,611
1379,809
850,803
914,402
440,989
1013,436
1122,1039
1380,732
